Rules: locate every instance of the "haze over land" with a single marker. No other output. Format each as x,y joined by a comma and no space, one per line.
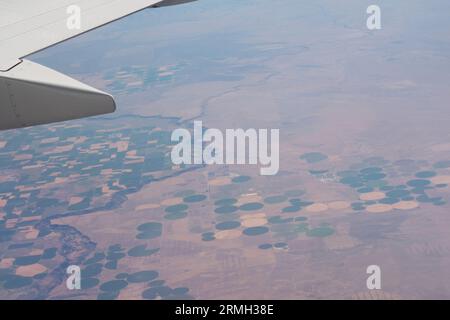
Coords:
364,158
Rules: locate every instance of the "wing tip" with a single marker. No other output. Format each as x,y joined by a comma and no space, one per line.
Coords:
33,94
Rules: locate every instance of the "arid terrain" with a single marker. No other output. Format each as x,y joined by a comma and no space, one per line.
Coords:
364,159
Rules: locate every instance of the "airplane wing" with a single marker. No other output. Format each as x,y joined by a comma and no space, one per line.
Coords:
32,94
